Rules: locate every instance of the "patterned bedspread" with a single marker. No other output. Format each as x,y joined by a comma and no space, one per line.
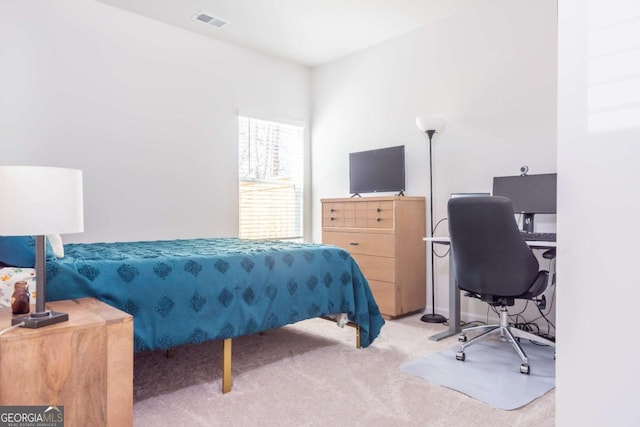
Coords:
191,291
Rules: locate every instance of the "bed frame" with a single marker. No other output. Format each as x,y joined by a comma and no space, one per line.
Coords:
226,356
192,291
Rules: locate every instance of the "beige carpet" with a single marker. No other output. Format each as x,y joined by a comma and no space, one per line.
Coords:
311,374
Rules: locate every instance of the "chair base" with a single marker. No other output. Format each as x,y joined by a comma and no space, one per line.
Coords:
507,333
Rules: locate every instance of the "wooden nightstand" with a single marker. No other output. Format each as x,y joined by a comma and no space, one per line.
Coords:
84,364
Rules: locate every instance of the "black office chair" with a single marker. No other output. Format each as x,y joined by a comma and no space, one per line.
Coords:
493,262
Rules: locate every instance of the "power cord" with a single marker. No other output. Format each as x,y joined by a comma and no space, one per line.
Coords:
434,232
11,328
517,320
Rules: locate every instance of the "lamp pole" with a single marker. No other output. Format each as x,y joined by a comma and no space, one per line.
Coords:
432,317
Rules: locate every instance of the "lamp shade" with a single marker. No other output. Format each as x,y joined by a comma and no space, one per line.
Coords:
431,122
38,200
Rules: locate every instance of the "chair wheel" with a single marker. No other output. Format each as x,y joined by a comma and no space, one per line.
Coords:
460,356
524,369
462,338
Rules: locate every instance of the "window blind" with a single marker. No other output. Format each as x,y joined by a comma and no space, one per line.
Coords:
271,179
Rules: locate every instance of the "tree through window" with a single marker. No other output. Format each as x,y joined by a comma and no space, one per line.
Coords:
271,179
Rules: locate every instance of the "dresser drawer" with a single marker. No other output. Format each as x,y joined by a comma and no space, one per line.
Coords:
378,214
378,244
377,267
385,295
339,214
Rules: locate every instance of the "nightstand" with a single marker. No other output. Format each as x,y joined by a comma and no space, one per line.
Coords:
84,364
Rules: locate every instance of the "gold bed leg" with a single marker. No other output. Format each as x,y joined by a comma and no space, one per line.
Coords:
226,365
169,353
351,324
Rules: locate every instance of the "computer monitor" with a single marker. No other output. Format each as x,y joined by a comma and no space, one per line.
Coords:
456,195
529,194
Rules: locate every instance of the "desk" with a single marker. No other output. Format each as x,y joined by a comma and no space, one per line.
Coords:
454,292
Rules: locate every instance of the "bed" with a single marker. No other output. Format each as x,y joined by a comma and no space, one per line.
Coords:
191,291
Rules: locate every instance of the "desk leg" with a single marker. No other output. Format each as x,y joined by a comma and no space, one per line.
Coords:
454,306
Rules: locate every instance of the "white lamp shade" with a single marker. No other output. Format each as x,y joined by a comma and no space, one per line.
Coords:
38,200
431,122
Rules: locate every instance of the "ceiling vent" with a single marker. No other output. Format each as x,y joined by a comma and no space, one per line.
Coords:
208,19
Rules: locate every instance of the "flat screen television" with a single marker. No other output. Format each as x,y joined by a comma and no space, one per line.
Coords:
374,171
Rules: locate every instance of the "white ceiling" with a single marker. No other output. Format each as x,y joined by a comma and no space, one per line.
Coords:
306,32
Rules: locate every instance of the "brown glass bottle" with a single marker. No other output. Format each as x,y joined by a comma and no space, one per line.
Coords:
20,298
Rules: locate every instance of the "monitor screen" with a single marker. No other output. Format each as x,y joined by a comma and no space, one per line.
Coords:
377,170
535,194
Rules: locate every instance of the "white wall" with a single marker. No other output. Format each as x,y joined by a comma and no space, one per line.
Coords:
148,112
598,153
491,71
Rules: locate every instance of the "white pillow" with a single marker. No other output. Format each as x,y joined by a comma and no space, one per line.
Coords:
9,276
56,244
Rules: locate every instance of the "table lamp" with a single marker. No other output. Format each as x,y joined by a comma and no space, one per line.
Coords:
431,124
36,201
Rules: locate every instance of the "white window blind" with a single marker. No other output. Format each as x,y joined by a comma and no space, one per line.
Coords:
271,178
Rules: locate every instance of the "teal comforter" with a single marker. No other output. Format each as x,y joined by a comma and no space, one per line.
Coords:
191,291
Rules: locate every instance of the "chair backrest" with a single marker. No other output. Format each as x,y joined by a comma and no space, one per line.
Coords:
490,255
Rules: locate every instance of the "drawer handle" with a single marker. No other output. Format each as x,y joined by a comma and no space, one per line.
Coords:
378,219
332,210
378,210
332,218
354,243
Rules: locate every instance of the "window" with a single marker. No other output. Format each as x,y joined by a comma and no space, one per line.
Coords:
271,179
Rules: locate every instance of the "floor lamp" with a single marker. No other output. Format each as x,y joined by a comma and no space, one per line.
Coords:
37,201
431,124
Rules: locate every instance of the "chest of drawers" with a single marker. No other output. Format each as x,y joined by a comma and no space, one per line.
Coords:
385,237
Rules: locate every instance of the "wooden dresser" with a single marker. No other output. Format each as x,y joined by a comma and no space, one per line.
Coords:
385,237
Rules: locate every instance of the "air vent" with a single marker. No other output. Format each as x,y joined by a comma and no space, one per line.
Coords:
208,19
